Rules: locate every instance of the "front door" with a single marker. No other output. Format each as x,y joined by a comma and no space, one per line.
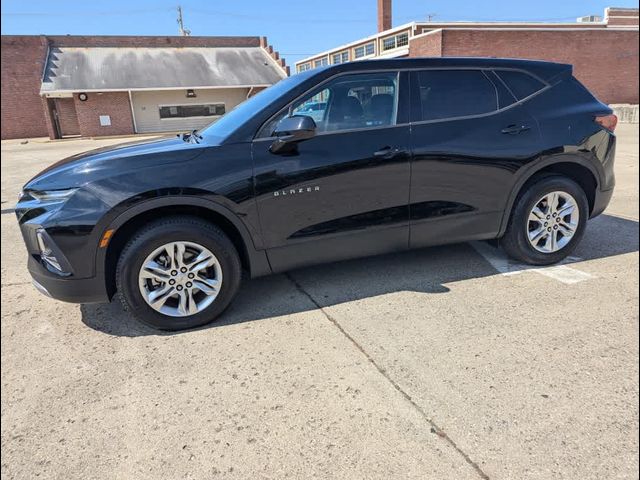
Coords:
343,193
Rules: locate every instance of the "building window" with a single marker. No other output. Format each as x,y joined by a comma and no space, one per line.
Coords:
321,62
341,57
304,67
402,40
396,41
364,50
186,111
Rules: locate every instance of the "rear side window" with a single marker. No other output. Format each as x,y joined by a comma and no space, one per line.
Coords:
521,84
455,93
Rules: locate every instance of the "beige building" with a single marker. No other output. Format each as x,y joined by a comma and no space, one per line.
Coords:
157,111
64,86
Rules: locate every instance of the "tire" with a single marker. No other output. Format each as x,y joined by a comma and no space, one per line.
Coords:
516,241
185,236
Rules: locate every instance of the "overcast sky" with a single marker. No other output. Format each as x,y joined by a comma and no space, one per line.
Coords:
297,28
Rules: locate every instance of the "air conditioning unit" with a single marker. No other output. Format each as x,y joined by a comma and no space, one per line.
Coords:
590,19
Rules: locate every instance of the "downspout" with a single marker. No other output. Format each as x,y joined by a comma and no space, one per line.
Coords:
54,132
133,113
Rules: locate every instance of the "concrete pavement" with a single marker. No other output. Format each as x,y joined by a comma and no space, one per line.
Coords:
435,364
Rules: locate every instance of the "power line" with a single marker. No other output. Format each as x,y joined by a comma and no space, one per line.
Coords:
84,13
270,18
199,11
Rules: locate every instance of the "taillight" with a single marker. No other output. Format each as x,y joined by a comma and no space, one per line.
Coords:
610,122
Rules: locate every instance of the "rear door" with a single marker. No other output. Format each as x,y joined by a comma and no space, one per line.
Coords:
343,193
469,135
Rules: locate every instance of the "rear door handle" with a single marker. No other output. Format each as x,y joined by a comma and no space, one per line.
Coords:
389,152
515,129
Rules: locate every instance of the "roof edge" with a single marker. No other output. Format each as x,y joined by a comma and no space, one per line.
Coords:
149,41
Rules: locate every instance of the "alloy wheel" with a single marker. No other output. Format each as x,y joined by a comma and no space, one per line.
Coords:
180,279
553,221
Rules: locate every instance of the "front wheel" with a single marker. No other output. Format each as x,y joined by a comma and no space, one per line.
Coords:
178,273
547,222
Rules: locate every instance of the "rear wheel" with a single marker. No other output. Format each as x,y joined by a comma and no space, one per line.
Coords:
547,221
178,273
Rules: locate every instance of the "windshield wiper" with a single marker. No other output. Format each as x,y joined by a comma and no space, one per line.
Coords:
195,135
186,137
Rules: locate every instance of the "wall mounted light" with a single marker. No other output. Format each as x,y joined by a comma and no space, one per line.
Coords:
191,94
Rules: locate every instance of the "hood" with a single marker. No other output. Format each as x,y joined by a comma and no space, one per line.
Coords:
83,168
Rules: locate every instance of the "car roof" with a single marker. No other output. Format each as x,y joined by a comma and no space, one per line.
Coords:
547,71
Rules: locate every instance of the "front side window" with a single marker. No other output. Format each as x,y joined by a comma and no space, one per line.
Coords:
186,111
348,102
314,107
455,93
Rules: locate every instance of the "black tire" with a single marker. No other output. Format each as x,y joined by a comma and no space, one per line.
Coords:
515,240
155,235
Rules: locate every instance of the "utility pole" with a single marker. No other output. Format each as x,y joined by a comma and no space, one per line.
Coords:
184,32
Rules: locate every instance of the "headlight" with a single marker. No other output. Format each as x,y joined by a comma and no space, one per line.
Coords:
50,196
34,203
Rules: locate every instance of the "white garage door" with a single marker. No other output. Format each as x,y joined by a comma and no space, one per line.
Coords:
173,110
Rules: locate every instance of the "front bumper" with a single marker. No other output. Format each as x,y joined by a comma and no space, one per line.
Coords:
63,232
67,289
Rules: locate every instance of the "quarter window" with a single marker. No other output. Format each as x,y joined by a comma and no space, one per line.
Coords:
521,84
455,93
185,111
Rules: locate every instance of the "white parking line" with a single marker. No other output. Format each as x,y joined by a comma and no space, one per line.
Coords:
505,266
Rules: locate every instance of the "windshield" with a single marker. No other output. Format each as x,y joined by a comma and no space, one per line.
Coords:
231,121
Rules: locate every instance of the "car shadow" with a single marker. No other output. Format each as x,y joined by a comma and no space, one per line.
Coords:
426,271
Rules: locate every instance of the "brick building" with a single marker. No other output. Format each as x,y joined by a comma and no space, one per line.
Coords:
60,86
603,51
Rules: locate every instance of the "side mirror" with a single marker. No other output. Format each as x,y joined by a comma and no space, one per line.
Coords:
291,130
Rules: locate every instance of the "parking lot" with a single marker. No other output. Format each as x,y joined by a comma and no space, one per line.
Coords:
443,363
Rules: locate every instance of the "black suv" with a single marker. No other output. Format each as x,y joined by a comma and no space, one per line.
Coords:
395,154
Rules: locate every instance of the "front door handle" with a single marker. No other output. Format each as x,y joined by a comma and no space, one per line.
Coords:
515,129
389,152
